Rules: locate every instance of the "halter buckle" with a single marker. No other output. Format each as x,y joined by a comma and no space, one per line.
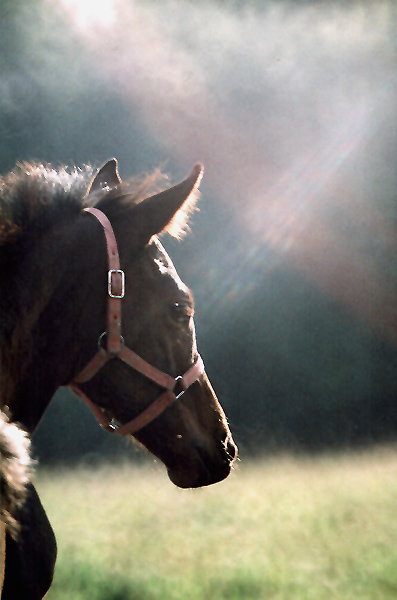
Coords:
112,272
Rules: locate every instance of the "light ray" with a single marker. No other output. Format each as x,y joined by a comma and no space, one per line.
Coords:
281,107
89,14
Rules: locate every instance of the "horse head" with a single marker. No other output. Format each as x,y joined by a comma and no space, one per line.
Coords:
191,437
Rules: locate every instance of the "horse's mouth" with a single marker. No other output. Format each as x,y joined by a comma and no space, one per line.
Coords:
202,469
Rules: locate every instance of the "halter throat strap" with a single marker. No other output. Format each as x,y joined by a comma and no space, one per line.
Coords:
115,348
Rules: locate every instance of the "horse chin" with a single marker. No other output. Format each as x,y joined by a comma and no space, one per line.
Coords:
196,479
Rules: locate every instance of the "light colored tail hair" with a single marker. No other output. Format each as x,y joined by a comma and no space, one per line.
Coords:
15,471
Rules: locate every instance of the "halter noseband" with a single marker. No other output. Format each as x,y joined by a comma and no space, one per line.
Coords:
115,348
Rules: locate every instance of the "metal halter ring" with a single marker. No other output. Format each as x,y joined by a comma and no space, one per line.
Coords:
100,347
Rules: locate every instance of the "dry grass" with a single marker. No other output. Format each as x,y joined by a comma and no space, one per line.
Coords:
285,528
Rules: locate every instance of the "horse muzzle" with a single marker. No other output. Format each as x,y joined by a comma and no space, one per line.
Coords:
203,467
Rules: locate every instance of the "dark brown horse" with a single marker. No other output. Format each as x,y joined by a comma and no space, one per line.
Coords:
89,298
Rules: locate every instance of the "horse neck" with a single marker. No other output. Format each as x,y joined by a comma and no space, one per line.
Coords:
27,386
39,345
28,400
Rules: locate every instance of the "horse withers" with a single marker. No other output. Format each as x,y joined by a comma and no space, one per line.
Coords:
91,299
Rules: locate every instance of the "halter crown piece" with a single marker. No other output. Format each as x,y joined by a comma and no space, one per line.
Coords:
115,348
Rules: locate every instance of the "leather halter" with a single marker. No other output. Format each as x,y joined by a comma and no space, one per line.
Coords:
115,348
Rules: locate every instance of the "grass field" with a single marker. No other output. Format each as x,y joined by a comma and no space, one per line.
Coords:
284,528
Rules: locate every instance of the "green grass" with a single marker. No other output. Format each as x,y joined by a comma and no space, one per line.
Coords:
279,529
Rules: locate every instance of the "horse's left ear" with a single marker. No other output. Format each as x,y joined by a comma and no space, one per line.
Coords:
106,178
168,210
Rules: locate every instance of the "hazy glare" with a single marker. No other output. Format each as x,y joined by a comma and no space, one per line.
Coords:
291,108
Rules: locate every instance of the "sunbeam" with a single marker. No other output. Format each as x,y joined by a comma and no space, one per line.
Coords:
282,104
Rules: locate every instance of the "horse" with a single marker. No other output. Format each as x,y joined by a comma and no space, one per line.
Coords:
90,299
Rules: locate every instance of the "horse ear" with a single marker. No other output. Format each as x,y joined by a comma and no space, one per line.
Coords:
168,210
106,178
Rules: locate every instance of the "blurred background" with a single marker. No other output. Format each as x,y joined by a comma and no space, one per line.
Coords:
291,107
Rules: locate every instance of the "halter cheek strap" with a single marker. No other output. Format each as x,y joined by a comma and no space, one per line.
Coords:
115,348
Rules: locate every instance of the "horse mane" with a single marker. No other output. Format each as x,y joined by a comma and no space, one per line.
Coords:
33,197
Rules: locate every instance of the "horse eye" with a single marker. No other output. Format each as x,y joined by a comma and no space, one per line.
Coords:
181,312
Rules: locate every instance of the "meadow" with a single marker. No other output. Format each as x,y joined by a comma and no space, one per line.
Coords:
280,528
